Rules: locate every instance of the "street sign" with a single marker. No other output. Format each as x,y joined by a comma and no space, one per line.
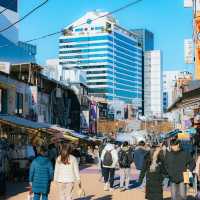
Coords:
188,51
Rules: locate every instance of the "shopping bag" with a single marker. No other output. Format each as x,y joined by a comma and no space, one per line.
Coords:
186,177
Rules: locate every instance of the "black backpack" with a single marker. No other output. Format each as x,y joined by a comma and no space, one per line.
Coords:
107,159
124,160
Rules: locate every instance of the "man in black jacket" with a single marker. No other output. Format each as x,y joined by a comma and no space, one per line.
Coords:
125,157
177,162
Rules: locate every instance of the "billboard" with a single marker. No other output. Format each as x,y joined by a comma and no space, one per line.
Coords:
188,51
11,4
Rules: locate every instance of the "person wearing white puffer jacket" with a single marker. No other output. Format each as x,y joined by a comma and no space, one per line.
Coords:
109,158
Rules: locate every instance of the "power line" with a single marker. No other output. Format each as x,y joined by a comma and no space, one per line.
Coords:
25,16
58,32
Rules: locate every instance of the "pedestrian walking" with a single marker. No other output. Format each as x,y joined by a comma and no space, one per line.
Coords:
139,154
101,148
125,156
67,173
177,162
109,160
41,174
153,169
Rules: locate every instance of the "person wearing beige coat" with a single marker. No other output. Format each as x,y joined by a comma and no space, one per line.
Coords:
66,174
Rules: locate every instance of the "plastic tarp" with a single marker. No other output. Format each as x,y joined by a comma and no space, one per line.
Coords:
133,137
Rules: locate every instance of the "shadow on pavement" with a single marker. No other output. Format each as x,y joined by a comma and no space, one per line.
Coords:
16,188
86,198
82,167
107,197
188,198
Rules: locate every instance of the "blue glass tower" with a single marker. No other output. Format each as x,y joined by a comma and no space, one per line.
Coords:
108,53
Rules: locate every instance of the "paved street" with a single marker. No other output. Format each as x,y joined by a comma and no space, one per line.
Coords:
93,188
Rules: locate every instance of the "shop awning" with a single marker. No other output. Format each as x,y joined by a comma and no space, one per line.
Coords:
14,120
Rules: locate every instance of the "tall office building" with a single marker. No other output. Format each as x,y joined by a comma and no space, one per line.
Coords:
153,83
146,41
145,38
11,49
169,81
108,53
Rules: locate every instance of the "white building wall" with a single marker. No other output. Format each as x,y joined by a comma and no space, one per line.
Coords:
169,80
153,83
53,70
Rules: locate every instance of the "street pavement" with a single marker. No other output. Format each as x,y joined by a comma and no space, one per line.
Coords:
93,188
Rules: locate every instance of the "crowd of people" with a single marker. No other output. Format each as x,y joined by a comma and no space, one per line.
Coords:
156,163
61,164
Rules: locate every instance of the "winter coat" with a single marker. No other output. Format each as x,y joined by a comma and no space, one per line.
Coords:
125,151
139,154
176,163
111,148
67,173
154,179
41,174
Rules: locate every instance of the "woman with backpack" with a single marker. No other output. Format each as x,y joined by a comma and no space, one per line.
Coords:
125,160
153,168
109,160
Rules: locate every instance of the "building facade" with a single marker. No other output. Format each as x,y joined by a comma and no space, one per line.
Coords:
146,41
153,83
11,49
145,38
169,81
109,54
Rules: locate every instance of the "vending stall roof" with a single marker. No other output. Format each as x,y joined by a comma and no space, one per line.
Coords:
12,119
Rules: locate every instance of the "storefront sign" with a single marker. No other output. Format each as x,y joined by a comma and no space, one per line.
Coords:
5,67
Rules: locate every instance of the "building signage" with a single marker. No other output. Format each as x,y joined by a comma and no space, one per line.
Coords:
5,67
188,51
188,3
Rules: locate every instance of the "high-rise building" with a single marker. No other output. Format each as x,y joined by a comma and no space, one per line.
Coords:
145,38
153,83
11,49
108,53
169,81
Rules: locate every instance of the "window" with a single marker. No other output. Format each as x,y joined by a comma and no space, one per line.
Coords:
19,104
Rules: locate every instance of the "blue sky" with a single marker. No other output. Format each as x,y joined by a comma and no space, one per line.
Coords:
167,19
